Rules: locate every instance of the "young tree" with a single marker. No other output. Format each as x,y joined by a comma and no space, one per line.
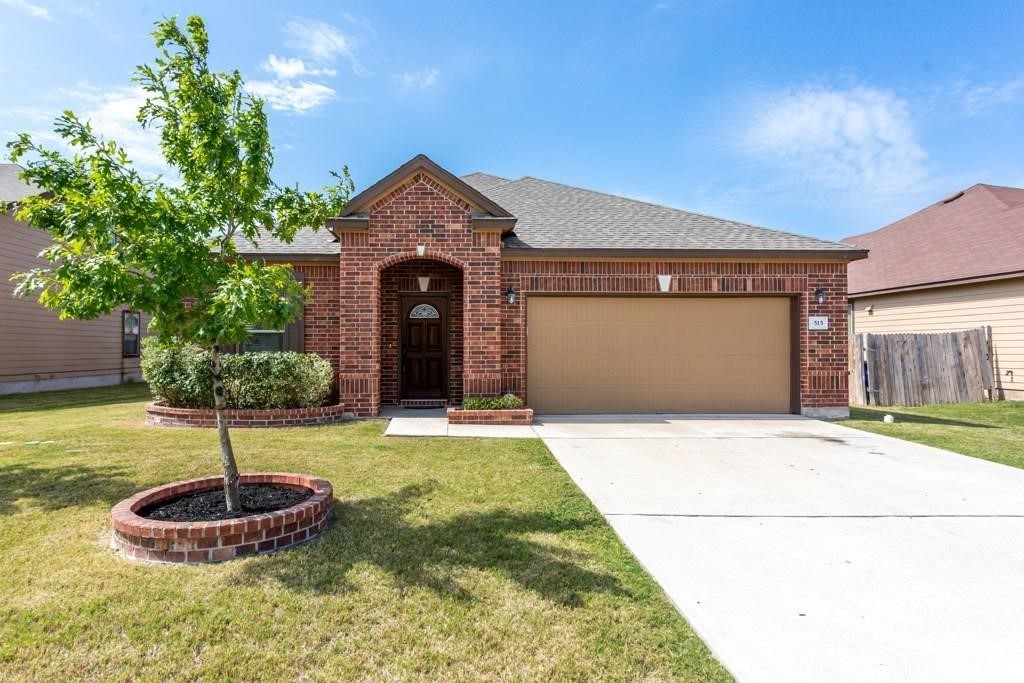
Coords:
167,248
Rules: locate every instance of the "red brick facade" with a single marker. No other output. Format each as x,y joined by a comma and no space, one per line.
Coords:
422,228
322,311
823,354
418,213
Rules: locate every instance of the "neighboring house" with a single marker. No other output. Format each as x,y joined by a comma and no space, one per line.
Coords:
955,265
38,351
432,287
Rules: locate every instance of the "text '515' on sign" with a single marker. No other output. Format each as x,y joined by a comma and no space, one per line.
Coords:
817,322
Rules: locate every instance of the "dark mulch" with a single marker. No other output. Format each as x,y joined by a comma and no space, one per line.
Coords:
210,505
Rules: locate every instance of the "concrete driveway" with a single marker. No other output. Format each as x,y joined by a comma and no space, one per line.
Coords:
805,551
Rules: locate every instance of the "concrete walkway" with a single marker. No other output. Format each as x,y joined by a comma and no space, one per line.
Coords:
805,551
432,422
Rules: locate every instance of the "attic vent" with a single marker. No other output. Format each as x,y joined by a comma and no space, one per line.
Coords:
952,198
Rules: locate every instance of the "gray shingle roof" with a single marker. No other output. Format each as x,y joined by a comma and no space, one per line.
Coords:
306,242
13,188
555,216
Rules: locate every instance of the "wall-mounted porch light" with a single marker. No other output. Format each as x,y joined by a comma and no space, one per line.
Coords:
819,294
424,282
664,283
510,295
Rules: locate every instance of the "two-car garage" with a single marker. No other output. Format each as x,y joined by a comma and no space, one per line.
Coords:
664,354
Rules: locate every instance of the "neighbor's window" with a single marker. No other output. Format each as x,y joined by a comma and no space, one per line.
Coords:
264,340
131,324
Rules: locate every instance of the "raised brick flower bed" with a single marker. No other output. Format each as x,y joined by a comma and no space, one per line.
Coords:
166,416
193,542
518,416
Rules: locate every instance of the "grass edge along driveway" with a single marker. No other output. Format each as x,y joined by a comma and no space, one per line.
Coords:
448,559
990,431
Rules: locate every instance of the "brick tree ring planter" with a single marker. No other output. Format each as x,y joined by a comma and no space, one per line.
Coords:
139,538
518,416
165,416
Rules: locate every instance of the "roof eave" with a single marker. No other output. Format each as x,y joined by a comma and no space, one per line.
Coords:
504,224
303,257
974,279
778,254
347,224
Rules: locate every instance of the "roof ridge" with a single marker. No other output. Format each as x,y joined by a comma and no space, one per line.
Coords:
1007,204
489,175
686,211
1001,187
947,198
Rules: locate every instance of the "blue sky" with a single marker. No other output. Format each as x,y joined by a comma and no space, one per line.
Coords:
822,118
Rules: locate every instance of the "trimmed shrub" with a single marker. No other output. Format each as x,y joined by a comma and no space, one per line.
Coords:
179,375
506,402
282,379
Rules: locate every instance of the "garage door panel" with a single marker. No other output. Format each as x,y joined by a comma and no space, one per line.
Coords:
632,354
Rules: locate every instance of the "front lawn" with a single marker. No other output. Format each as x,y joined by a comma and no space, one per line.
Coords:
993,431
448,559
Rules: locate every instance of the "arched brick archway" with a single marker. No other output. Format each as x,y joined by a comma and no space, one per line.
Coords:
399,290
419,212
428,255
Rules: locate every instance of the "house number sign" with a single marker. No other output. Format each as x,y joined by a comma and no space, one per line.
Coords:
817,322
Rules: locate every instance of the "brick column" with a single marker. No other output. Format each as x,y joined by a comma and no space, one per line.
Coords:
482,336
824,358
359,329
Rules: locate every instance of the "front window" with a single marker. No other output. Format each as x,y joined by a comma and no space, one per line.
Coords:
131,326
264,340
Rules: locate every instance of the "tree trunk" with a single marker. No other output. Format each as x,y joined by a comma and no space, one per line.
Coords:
227,453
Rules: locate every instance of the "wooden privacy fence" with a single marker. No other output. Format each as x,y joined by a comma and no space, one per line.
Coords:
916,369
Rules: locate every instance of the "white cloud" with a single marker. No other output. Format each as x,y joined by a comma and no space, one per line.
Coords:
284,96
976,99
322,42
31,9
112,115
292,67
858,140
418,80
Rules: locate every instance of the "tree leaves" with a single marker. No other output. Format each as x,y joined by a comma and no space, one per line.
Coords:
167,247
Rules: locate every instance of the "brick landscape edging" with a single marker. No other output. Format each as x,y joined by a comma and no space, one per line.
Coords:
195,542
518,416
165,416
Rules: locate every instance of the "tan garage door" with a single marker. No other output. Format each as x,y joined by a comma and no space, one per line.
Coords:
658,355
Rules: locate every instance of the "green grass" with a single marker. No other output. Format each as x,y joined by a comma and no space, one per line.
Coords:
992,431
448,559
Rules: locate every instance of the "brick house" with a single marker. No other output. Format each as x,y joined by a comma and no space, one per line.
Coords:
433,287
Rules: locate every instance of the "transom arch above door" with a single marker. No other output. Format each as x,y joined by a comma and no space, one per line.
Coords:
424,311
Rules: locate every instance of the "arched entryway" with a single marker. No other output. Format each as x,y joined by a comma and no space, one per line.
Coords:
421,333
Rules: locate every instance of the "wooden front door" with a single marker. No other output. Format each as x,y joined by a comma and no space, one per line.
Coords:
424,347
